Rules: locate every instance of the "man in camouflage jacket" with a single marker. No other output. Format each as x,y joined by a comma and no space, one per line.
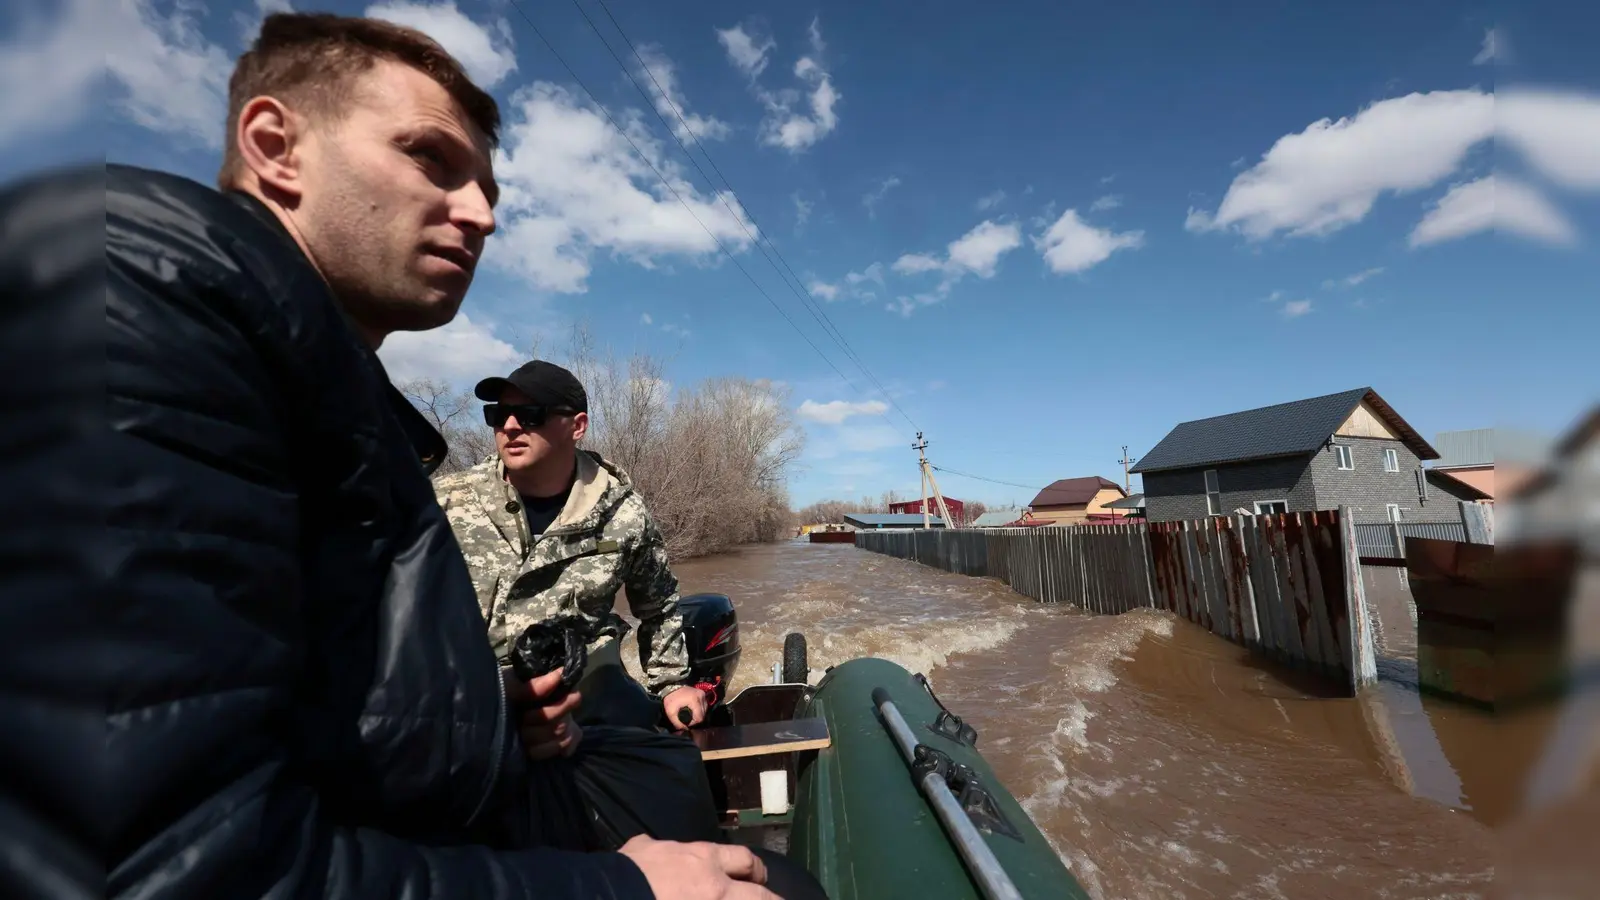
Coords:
549,529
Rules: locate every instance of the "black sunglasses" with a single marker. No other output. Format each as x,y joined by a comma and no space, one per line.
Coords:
529,415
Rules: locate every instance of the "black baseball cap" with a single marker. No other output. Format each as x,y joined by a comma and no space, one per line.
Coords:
545,383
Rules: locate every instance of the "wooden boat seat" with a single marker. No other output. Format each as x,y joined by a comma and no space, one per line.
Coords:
762,738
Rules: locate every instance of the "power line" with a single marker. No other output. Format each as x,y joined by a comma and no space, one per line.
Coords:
797,286
1026,487
674,191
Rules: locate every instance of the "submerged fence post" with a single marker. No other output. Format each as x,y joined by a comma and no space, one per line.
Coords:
1361,656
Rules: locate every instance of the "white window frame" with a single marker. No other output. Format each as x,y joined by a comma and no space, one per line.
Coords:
1344,457
1260,503
1391,459
1394,513
1213,488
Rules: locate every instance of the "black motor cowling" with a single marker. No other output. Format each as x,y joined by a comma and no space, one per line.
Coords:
711,634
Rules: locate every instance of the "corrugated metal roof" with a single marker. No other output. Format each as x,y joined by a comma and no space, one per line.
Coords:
890,520
1073,491
1284,429
1474,447
996,519
1132,501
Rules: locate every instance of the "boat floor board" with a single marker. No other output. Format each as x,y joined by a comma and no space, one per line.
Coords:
761,738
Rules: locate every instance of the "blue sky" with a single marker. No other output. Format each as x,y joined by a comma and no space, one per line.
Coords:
1048,230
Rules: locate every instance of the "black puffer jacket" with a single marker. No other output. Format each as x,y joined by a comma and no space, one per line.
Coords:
300,699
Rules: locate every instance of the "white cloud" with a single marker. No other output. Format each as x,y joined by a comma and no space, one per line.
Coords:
72,45
802,210
1557,131
979,250
835,412
662,79
460,351
645,319
1328,176
745,51
796,119
872,198
676,330
828,292
1073,245
571,185
1352,280
1494,202
989,201
1109,201
172,79
916,264
873,272
851,285
1494,48
487,57
1294,309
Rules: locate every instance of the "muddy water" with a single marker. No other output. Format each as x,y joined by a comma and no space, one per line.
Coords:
1160,761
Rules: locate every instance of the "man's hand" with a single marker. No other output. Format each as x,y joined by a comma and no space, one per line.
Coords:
699,871
690,698
547,729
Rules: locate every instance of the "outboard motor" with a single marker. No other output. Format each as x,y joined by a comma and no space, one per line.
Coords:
711,634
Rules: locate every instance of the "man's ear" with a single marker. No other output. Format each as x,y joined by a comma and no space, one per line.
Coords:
270,144
580,426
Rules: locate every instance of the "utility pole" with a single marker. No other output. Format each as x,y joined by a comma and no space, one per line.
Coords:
1127,481
928,479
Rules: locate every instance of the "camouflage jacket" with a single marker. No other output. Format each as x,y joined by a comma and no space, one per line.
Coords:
603,540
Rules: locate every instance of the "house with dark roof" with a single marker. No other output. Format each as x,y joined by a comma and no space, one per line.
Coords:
1346,449
1074,500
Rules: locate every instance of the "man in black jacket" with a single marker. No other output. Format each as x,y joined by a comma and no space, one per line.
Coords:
299,698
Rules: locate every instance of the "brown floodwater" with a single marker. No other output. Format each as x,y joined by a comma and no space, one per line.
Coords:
1159,760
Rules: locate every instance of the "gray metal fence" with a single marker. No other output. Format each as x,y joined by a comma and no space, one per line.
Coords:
1387,539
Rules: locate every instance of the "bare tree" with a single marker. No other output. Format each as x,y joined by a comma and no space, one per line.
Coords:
456,416
711,461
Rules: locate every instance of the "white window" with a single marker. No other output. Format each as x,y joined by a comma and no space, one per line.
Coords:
1213,494
1396,514
1341,452
1265,507
1391,460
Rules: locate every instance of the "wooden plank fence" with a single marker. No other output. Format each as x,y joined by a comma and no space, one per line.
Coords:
1285,585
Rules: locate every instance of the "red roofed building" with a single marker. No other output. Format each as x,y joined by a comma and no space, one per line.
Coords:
1074,501
958,510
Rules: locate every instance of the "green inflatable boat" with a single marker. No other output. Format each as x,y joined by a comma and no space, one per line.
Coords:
877,789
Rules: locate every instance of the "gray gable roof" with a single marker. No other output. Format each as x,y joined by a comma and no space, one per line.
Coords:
1285,429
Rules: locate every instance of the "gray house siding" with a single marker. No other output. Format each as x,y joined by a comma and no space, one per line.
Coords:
1367,488
1181,493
